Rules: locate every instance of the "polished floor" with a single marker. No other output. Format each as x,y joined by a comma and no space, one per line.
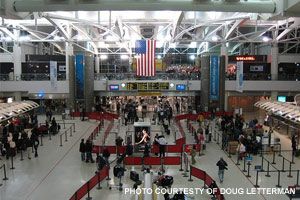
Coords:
58,171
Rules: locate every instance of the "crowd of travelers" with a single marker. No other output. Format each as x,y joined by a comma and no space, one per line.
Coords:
19,134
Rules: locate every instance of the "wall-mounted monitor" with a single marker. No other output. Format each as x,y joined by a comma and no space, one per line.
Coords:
281,98
114,87
180,87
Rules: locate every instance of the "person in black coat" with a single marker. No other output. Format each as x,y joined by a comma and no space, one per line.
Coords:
222,166
106,155
82,150
89,149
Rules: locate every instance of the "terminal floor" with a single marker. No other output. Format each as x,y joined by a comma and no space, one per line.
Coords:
58,171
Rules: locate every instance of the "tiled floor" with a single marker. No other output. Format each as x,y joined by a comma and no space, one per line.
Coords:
58,171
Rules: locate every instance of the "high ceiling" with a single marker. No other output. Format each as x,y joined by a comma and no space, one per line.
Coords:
100,31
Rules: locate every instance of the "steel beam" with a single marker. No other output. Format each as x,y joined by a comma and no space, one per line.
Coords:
221,6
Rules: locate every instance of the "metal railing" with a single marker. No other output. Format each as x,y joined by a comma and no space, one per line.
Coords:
132,76
31,77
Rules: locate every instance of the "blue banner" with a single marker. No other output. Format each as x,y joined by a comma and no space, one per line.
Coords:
214,78
53,74
79,76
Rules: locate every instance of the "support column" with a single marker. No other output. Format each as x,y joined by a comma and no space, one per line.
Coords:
205,64
17,61
97,64
274,62
69,53
70,74
89,82
227,93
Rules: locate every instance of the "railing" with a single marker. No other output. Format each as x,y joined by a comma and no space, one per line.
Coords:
32,77
71,129
265,77
132,76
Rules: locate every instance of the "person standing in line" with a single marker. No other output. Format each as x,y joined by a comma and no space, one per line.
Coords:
193,154
89,149
29,144
222,166
82,150
177,107
106,155
162,146
36,144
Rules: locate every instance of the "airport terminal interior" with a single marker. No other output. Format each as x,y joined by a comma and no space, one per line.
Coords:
149,100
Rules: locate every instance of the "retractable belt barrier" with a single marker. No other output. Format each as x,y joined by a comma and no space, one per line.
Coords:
90,184
207,180
174,160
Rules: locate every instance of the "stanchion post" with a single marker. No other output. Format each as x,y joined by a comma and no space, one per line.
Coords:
297,181
64,124
273,158
268,170
98,177
12,162
42,140
66,136
5,177
280,150
256,181
278,184
88,191
60,139
283,164
49,134
181,163
248,175
71,131
190,179
290,171
218,138
244,170
262,163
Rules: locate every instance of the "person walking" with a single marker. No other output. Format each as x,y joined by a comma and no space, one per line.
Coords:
222,166
82,150
106,155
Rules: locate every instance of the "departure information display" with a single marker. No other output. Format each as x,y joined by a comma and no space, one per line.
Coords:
144,86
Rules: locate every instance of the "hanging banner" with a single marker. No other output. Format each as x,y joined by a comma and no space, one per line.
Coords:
214,77
53,74
79,75
239,76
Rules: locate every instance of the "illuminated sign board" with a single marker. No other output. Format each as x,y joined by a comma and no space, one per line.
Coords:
113,87
249,58
245,58
181,87
144,86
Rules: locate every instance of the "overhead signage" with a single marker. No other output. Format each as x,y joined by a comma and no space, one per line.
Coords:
214,77
114,87
145,86
180,87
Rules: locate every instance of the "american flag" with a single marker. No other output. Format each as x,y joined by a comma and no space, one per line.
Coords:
145,62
